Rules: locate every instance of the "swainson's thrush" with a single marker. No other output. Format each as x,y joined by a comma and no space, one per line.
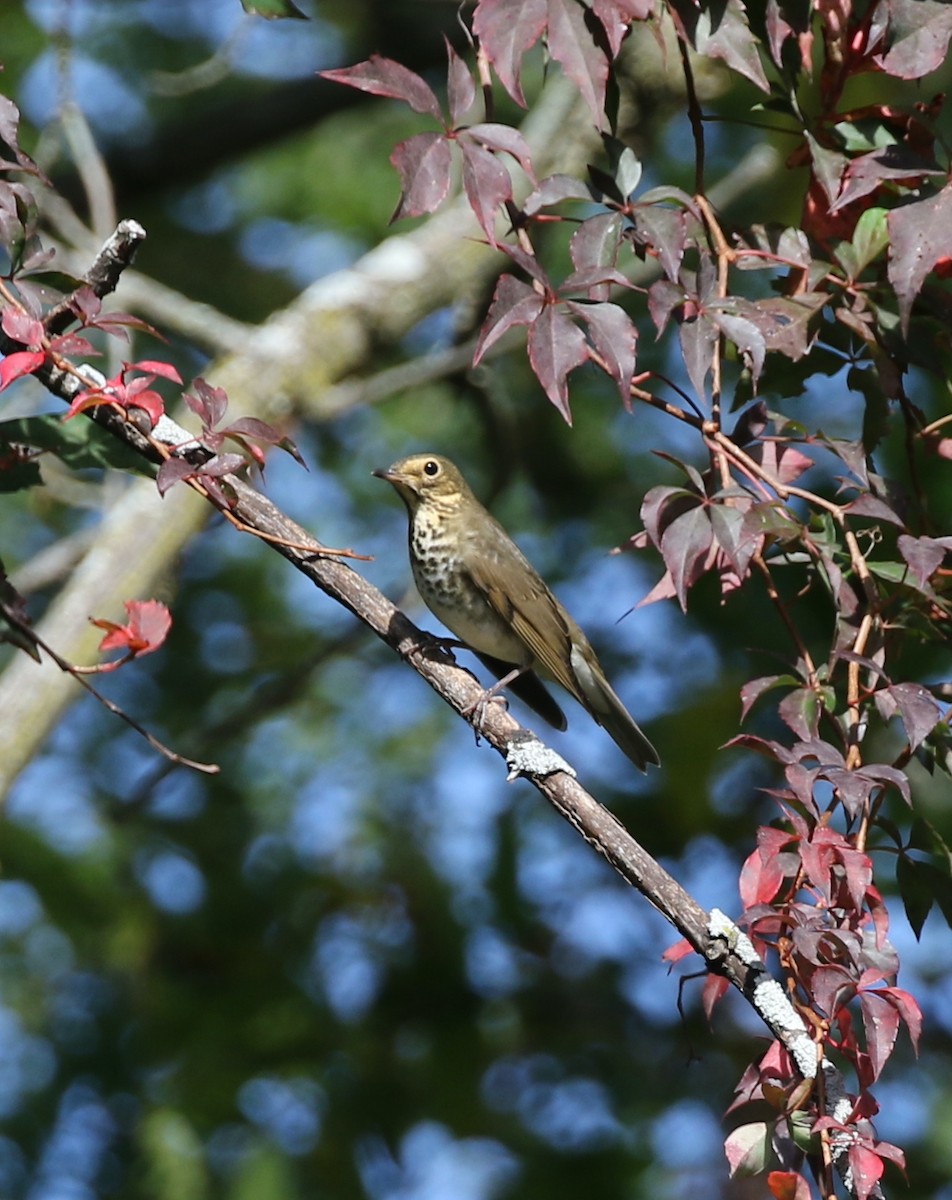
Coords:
477,581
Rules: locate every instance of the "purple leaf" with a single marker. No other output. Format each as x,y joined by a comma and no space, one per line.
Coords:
571,44
172,471
684,547
384,77
871,506
664,296
734,536
556,347
594,282
507,29
596,241
698,339
424,163
919,709
924,555
722,31
513,303
867,172
800,710
654,508
460,88
487,185
210,404
614,338
919,33
552,190
919,237
785,322
751,692
663,231
505,139
746,337
828,167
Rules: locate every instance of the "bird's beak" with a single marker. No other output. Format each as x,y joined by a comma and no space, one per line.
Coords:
388,474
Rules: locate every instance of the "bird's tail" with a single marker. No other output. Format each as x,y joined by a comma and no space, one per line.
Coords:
601,700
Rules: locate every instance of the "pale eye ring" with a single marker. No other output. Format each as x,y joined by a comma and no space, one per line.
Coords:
431,468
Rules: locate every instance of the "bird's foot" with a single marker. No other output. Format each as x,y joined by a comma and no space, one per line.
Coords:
476,711
430,645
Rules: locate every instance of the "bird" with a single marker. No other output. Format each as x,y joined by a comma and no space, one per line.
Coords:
478,583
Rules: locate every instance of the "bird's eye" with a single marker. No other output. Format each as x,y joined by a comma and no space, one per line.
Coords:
431,468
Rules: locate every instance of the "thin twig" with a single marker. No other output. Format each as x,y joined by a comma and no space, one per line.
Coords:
25,630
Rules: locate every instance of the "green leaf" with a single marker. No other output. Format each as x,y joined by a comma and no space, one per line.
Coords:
917,896
82,445
870,239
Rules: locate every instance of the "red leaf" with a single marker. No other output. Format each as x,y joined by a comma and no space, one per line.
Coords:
507,29
22,327
166,370
383,77
715,987
556,347
679,950
908,1009
146,629
149,401
867,172
867,1169
21,362
761,877
424,163
788,1185
881,1023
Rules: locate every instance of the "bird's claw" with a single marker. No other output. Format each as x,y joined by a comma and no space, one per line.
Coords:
429,645
476,711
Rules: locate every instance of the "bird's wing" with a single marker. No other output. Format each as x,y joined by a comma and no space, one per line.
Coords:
533,614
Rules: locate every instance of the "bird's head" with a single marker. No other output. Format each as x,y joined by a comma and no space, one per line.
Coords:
425,477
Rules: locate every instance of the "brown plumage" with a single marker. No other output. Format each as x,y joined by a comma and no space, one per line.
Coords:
478,582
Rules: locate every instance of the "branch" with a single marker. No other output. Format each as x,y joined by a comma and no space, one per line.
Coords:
724,948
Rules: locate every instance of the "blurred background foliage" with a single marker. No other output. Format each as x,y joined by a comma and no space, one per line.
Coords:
357,963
